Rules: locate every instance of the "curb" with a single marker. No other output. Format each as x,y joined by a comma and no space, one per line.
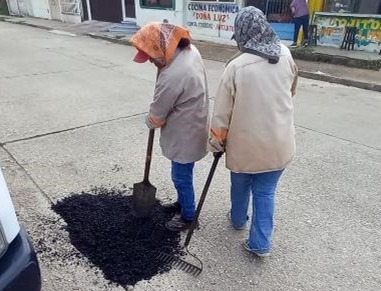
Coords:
341,81
9,20
312,56
109,39
303,74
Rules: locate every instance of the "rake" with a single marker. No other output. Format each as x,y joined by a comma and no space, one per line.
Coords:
180,263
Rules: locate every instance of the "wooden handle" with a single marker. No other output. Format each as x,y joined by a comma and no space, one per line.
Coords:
217,156
147,168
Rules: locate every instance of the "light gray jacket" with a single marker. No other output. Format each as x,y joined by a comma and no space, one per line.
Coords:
181,103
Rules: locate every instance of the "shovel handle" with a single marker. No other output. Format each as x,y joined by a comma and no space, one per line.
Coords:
193,225
147,168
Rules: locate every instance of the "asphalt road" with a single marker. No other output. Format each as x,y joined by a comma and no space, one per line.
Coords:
71,113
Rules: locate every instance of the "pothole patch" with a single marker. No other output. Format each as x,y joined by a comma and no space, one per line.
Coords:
102,227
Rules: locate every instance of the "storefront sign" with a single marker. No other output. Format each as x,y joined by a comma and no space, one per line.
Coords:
211,19
331,30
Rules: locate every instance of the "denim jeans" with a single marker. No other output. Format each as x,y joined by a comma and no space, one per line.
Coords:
182,177
262,189
301,21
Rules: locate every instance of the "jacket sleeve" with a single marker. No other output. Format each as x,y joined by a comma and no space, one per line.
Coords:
164,100
295,81
223,105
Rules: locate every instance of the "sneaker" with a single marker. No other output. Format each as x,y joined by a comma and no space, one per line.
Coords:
173,208
178,223
294,45
231,222
261,254
306,43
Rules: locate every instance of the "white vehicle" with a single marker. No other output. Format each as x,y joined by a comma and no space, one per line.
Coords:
19,269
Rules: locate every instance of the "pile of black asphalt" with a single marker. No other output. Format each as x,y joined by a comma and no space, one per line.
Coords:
102,226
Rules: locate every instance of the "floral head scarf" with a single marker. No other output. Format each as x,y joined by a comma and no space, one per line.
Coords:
159,41
254,35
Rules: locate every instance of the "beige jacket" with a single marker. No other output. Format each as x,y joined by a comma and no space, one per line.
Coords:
254,112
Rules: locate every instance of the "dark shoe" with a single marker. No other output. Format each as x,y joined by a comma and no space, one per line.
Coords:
173,208
294,45
178,223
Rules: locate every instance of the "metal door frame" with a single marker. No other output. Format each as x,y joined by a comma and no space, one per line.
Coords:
125,18
90,17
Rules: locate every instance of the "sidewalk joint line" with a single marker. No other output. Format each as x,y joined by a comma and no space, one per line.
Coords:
70,129
82,60
39,74
338,137
46,196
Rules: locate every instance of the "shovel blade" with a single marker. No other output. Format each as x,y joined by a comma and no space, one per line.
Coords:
143,197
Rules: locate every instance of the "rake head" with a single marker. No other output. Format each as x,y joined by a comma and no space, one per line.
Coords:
182,264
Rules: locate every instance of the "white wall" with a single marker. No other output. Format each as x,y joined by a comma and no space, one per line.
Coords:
214,39
144,15
55,9
34,8
25,7
211,21
182,15
40,9
71,18
13,8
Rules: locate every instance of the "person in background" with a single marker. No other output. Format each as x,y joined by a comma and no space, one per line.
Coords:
253,121
299,9
180,107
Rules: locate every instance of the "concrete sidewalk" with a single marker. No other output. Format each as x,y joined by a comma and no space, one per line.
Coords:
322,71
331,55
360,78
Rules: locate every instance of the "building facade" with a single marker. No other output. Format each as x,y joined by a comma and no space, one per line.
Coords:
62,10
206,20
213,20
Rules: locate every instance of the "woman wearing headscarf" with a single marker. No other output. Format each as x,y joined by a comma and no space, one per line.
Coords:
180,107
253,122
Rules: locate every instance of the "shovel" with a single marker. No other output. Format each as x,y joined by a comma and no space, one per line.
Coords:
143,195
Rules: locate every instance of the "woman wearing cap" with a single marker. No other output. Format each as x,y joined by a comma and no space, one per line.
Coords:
253,121
179,107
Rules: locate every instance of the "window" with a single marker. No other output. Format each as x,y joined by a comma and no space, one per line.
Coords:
367,6
158,4
353,6
339,6
260,4
71,7
219,1
275,10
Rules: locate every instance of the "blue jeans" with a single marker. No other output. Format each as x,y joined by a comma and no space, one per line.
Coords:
262,188
301,21
182,177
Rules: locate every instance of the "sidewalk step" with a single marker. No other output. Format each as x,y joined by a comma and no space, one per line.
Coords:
129,23
125,27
